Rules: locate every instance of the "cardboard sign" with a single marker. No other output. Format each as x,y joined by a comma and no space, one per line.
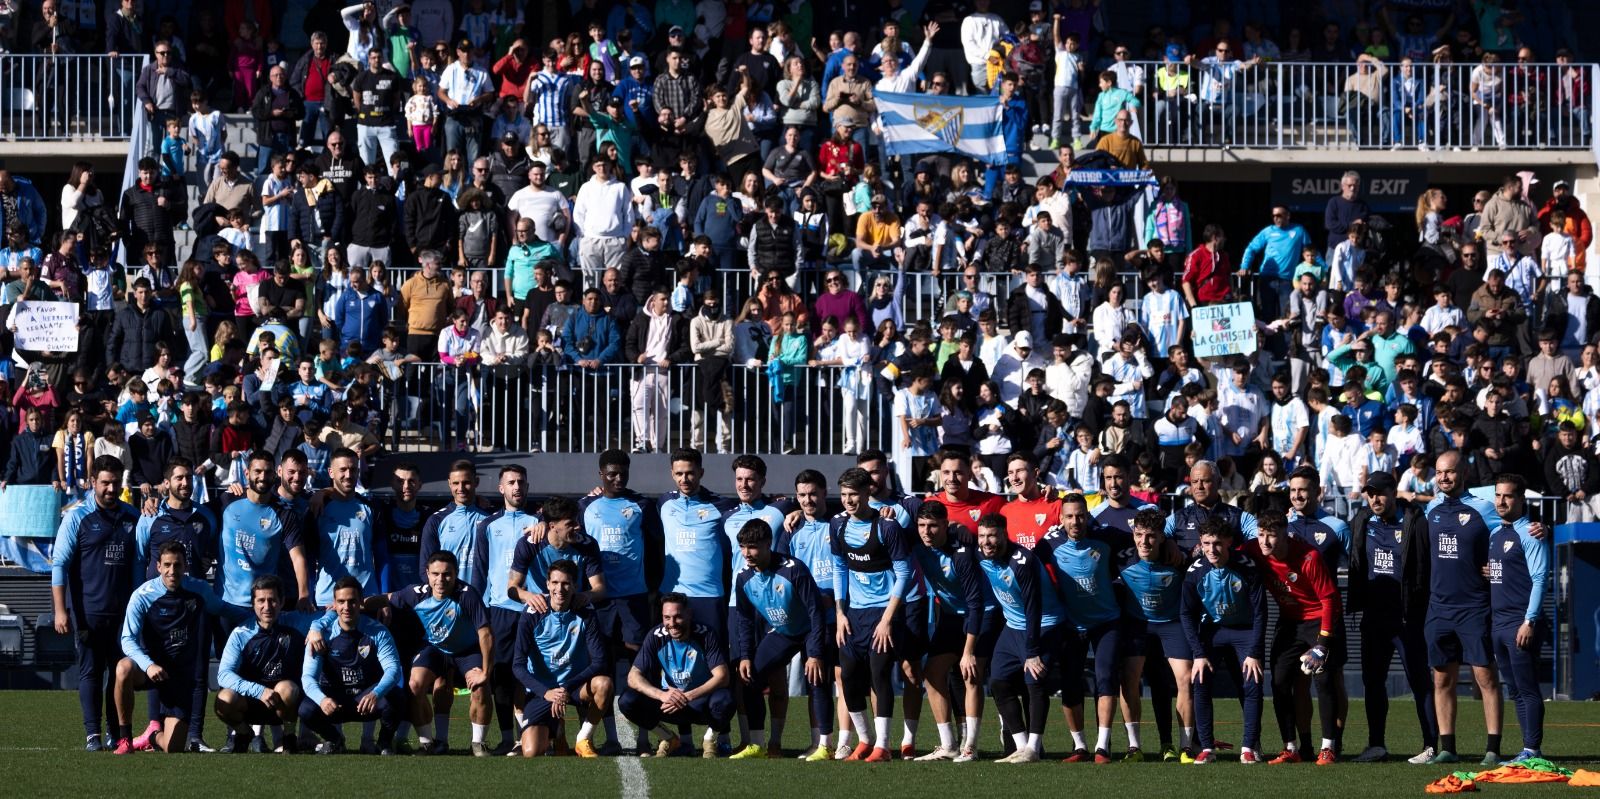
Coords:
46,326
1224,330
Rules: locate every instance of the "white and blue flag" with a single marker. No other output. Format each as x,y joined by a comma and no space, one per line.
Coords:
934,123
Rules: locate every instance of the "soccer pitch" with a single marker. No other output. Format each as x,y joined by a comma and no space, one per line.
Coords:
41,751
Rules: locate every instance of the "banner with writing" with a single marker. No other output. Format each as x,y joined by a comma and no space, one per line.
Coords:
46,326
1224,330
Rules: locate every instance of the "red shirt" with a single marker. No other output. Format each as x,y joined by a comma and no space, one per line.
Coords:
1027,520
1300,583
834,155
1209,273
978,505
316,87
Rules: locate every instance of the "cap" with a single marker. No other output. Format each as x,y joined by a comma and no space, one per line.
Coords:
1023,341
431,169
879,199
1381,481
1560,184
636,61
510,138
675,30
463,43
1174,52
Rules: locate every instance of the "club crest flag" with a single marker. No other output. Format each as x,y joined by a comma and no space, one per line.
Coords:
928,123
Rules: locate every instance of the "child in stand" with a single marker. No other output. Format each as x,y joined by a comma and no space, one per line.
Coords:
422,112
1557,253
238,440
983,477
1405,437
317,452
1443,313
1416,483
1338,463
237,233
137,404
174,152
1081,470
245,60
1348,258
210,134
1376,457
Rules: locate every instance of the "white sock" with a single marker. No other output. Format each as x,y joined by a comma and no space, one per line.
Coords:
858,721
777,732
1077,740
1033,741
880,731
1102,738
757,737
969,731
947,735
1133,735
256,728
366,732
1186,737
711,735
822,741
1020,739
844,734
610,723
585,731
908,736
479,731
1292,746
425,733
442,724
1327,743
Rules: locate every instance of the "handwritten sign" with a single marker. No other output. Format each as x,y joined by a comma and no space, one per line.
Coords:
30,511
47,326
1224,330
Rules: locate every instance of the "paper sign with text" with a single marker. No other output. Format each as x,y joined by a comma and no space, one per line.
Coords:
47,326
1224,330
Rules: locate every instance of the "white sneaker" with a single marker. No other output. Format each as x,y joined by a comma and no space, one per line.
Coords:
842,751
1422,758
941,753
967,755
1026,754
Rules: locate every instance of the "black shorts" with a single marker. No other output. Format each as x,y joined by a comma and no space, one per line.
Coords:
1163,639
912,645
257,712
1457,636
949,636
537,711
174,695
503,625
1292,639
444,664
624,620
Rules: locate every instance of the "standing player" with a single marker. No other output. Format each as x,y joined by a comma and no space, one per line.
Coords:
559,660
1309,636
164,648
1519,572
92,566
1023,661
460,646
749,488
500,534
177,518
628,529
257,531
1205,502
1225,612
1035,508
343,528
947,556
401,518
963,504
1389,588
877,605
697,554
778,615
896,505
1117,507
884,492
1457,628
680,677
1153,592
351,673
811,543
260,670
1325,532
1084,573
455,529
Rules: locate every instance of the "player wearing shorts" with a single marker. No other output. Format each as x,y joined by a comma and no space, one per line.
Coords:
500,534
460,647
1224,612
679,677
1308,639
1025,652
878,607
967,624
749,502
560,659
1519,575
164,649
1151,595
1084,570
351,673
1117,507
778,615
1457,628
810,542
259,673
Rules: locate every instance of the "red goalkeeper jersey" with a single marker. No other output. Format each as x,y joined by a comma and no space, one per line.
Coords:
1300,583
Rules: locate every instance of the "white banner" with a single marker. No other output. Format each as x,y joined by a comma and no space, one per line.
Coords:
1224,330
46,326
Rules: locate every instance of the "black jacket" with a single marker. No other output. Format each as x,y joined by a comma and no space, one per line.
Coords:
199,442
1019,316
430,219
372,217
644,272
32,460
1413,568
261,110
134,335
677,339
143,219
1556,311
147,457
310,224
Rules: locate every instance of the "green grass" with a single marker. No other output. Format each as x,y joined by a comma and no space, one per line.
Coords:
41,754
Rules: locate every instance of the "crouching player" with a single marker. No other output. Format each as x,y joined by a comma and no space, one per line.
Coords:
560,659
260,670
351,672
1225,613
680,677
164,649
778,614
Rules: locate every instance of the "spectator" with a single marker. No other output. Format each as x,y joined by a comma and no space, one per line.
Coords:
360,314
1577,221
711,341
849,98
877,239
657,339
601,217
430,215
138,329
373,211
589,337
791,349
163,87
425,303
20,202
546,208
1344,211
466,92
980,31
316,211
1274,252
277,109
146,212
1207,272
1122,145
1508,213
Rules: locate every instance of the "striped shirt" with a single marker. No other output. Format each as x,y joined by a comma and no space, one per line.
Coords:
548,92
680,94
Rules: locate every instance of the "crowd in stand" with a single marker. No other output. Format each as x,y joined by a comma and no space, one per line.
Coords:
705,186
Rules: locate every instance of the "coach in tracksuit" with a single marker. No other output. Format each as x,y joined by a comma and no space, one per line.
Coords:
1183,526
1519,575
1389,568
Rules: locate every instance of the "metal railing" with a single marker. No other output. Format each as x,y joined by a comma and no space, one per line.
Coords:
69,97
1366,105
